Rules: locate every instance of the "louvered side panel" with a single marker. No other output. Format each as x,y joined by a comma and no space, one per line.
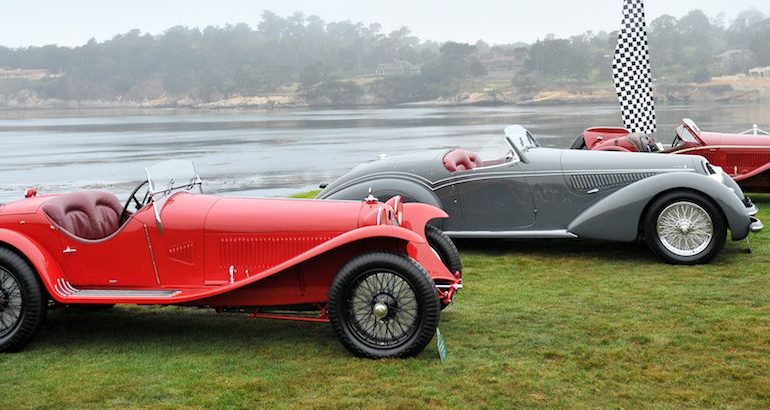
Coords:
587,182
258,253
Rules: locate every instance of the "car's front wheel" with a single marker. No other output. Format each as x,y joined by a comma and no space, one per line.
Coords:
23,304
685,228
383,305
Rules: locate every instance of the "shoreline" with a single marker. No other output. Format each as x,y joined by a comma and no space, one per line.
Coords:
720,90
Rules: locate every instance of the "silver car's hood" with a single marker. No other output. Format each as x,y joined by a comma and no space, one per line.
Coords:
573,160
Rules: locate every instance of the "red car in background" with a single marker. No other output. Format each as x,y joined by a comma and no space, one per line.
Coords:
745,156
365,266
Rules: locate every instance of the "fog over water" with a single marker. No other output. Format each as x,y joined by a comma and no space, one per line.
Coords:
274,153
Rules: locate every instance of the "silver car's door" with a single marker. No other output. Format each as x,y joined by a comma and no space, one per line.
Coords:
495,198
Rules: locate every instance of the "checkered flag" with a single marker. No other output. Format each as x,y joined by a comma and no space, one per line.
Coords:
631,71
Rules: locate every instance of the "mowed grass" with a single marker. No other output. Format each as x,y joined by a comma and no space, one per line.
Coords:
539,324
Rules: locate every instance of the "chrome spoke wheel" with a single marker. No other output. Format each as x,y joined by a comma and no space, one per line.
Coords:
382,309
685,228
11,303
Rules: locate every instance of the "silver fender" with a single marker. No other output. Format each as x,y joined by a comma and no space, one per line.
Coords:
617,216
383,189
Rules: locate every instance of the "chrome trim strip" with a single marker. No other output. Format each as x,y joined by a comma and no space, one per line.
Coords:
553,234
152,254
708,147
472,178
122,293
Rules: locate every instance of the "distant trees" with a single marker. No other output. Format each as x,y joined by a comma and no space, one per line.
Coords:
336,62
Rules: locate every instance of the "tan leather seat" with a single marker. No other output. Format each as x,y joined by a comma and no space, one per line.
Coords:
89,215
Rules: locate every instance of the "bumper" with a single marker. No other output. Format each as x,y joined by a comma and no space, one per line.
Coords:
755,224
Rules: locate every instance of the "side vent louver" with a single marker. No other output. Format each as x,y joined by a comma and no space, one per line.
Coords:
182,253
604,181
259,253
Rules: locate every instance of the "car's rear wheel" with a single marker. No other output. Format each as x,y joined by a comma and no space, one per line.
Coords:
685,228
445,248
383,305
23,304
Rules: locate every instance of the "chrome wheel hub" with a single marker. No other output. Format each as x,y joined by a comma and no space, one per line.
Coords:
685,228
383,309
380,310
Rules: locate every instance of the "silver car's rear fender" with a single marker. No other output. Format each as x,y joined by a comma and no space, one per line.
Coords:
384,189
617,216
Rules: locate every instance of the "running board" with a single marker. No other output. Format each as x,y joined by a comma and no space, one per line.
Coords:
555,234
64,288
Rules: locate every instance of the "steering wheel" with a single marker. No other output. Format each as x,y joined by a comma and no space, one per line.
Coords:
125,214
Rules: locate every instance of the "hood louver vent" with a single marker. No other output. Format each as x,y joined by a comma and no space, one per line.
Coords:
604,181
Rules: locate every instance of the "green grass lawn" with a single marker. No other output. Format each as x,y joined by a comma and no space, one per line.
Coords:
539,324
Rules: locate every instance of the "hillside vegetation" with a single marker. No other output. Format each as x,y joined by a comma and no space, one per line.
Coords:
303,60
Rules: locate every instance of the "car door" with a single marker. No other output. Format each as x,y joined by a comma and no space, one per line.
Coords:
495,198
122,260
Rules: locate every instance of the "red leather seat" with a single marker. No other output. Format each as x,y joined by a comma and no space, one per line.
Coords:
89,215
461,160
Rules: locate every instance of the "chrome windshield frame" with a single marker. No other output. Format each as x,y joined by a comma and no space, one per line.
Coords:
159,194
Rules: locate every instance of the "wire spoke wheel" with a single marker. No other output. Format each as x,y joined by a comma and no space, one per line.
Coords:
11,302
685,228
383,304
382,308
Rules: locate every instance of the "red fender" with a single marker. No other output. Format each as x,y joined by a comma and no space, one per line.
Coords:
48,270
417,215
374,231
754,172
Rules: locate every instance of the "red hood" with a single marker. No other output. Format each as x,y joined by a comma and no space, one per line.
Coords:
718,138
282,215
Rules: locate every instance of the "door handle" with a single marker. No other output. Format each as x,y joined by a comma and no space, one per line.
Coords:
69,250
592,191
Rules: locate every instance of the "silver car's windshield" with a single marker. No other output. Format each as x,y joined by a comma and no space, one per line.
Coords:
495,152
520,138
172,175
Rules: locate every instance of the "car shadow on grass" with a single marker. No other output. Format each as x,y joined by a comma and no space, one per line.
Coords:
633,252
136,329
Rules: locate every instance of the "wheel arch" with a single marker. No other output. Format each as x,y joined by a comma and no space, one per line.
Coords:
42,262
652,200
601,220
384,188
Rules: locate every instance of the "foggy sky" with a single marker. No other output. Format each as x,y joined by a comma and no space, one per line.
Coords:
73,22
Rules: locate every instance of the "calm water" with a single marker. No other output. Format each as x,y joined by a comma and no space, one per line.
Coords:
280,152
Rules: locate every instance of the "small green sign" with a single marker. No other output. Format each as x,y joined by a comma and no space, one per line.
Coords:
441,344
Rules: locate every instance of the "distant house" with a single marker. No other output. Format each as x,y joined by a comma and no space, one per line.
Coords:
503,64
511,61
397,68
23,74
735,60
760,72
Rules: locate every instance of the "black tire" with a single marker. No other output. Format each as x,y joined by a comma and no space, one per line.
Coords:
393,281
578,143
712,244
445,248
23,303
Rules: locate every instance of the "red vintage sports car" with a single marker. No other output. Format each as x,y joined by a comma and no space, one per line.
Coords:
745,156
364,266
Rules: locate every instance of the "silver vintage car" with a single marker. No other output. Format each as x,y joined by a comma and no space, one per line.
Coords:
514,188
